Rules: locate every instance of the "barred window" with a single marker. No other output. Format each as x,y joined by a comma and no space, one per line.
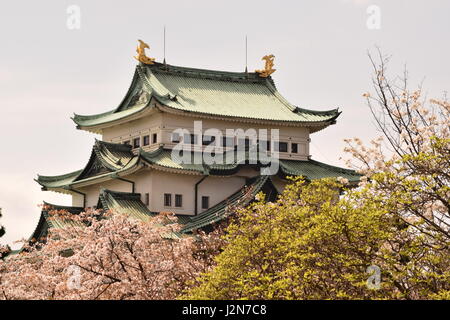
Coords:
146,140
178,200
136,142
205,202
167,200
294,148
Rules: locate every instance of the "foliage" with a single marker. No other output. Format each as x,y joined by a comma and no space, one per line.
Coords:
114,258
318,240
311,245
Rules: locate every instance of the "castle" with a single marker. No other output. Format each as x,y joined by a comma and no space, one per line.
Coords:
171,114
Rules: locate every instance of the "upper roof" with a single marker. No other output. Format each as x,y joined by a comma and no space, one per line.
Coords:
218,94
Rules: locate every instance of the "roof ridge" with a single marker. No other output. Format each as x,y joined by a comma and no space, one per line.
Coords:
200,72
317,112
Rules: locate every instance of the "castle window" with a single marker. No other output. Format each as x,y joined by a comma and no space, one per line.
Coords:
167,200
205,202
146,140
154,138
281,146
294,148
209,140
264,145
245,143
175,137
178,200
227,142
136,142
190,138
147,199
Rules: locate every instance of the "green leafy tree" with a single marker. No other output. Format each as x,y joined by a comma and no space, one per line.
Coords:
307,245
312,244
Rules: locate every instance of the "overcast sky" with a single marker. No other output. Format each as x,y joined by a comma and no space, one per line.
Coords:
48,71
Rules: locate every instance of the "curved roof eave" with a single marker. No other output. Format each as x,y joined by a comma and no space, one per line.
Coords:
321,123
151,81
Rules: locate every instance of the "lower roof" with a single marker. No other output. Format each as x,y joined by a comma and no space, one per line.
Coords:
130,204
47,220
110,160
124,203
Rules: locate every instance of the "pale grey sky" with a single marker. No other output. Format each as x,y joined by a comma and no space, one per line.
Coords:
47,71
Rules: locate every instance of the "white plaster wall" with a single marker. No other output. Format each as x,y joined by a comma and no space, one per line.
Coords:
143,183
156,183
127,131
163,124
92,192
165,182
298,135
218,189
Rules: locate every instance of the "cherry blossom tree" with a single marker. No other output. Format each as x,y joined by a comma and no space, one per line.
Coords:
107,256
412,157
409,166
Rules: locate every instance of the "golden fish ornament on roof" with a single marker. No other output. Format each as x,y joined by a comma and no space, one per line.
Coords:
268,68
141,57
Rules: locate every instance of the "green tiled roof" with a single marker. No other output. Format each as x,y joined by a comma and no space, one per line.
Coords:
163,158
312,170
47,221
124,203
214,93
55,182
109,159
129,204
106,158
